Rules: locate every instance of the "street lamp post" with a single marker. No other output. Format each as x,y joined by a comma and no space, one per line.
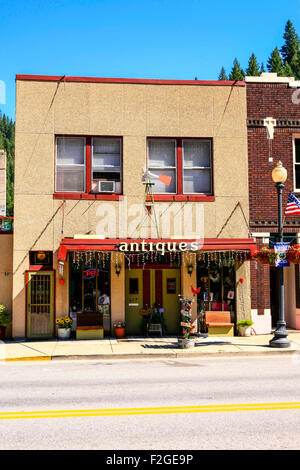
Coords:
279,176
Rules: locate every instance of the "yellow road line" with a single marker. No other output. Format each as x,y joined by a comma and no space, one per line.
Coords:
28,358
147,411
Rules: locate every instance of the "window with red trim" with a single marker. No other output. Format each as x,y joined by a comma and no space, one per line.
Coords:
88,165
180,166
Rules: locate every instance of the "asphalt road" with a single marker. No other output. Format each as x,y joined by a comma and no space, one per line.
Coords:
72,399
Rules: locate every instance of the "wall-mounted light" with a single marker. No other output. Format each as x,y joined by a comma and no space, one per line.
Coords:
41,255
190,269
118,269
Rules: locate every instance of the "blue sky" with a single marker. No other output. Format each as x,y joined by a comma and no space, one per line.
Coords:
170,39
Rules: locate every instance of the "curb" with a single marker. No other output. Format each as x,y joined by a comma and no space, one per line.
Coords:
175,355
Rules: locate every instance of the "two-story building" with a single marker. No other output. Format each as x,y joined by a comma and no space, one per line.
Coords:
129,192
273,120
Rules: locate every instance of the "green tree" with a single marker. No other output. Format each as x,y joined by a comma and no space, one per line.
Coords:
275,64
262,68
291,48
7,143
253,67
287,70
237,73
222,74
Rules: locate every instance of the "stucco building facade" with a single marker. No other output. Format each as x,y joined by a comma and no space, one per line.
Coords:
85,227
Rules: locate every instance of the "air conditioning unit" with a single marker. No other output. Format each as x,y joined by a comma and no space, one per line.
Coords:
106,186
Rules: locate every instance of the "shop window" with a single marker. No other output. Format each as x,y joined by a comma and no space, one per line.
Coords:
217,282
106,165
89,283
186,162
297,165
297,285
70,164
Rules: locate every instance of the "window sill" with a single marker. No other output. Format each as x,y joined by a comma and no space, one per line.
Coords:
181,197
84,196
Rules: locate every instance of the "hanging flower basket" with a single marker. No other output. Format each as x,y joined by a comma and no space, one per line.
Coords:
265,256
293,255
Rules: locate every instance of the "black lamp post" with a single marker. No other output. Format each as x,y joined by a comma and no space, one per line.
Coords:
279,175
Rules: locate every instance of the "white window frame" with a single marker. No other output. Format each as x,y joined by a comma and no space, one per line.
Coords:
163,167
197,167
296,137
81,164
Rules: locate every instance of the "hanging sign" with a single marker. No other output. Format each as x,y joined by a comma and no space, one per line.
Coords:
281,250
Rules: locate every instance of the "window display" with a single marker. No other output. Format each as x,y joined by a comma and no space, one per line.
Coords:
90,286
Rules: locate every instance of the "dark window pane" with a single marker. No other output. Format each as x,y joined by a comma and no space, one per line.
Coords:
297,170
297,145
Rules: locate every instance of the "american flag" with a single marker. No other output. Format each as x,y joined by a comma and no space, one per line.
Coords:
293,205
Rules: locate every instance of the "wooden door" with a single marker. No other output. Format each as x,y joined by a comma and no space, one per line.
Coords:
40,304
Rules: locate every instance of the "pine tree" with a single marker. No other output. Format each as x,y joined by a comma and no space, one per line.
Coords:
252,70
237,73
291,48
222,74
7,139
262,68
275,64
288,72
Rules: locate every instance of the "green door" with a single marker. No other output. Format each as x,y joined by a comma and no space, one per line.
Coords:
40,303
134,301
144,287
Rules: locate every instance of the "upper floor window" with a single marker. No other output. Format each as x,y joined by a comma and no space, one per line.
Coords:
70,164
187,163
106,165
88,165
297,165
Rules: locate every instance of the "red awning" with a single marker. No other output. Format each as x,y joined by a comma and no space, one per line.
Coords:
112,244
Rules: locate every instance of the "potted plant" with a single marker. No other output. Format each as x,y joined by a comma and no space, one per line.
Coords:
186,341
4,321
64,327
119,328
244,327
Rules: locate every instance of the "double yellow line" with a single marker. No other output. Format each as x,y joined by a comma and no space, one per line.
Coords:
147,411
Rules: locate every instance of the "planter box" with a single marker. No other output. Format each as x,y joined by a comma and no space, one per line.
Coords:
64,333
184,343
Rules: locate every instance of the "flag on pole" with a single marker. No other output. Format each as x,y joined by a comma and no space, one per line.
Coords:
293,205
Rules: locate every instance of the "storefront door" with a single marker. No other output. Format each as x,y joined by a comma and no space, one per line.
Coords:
144,287
40,303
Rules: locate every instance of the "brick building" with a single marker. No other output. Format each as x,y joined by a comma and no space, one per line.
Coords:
273,121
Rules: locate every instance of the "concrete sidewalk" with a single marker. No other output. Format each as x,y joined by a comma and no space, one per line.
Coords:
137,347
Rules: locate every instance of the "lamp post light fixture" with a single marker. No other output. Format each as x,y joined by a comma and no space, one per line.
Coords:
279,176
118,269
190,269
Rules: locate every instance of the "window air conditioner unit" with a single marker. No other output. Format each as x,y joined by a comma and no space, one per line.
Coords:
106,186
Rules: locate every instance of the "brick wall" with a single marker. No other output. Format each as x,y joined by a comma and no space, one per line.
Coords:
268,100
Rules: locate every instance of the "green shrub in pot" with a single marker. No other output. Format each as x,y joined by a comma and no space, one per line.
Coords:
244,323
